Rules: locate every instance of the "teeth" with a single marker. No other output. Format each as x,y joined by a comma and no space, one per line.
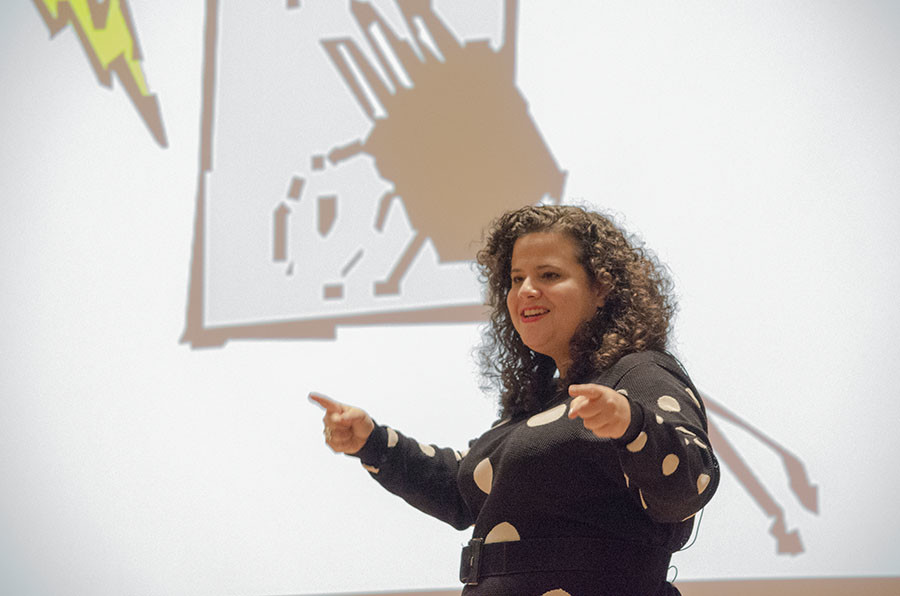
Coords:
530,312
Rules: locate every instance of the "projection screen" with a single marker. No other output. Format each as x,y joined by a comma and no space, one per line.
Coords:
212,209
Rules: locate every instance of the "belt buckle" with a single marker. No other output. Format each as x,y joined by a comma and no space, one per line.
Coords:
475,546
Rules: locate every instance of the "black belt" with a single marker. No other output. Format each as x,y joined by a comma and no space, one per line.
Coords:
597,555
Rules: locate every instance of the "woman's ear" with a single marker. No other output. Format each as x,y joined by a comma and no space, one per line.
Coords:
601,291
602,287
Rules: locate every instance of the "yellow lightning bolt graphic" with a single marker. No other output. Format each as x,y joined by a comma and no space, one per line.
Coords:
108,36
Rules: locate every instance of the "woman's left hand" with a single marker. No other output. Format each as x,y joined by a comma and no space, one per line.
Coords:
604,411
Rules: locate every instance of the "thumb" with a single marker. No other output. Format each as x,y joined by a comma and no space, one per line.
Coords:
350,416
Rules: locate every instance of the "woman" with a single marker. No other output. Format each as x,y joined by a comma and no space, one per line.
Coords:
592,476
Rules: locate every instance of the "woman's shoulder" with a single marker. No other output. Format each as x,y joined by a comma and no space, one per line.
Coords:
645,359
633,359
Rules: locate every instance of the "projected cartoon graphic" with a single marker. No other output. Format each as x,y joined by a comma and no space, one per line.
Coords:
456,139
110,42
348,182
354,189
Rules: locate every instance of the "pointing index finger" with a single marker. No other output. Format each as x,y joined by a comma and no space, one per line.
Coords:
588,390
583,395
329,405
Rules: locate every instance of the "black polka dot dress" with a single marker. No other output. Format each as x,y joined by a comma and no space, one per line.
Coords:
557,511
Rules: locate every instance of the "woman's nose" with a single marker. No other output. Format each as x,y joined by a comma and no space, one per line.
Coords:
527,289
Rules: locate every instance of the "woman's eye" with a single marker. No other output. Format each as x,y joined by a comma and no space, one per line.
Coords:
550,275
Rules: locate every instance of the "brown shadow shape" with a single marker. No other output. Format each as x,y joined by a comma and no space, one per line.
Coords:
458,144
787,542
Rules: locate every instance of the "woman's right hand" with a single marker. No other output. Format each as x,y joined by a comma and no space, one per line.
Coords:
346,427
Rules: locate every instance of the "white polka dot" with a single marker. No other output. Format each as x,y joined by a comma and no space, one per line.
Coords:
687,442
623,392
392,437
637,444
547,417
556,592
643,502
627,481
685,431
484,475
502,532
667,403
702,483
427,450
372,469
659,419
693,397
700,443
670,464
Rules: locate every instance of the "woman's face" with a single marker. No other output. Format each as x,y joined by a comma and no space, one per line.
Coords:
550,294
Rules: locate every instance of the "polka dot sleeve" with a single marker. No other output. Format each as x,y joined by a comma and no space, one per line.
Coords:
665,454
422,475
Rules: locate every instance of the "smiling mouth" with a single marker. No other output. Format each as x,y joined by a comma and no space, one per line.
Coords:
533,314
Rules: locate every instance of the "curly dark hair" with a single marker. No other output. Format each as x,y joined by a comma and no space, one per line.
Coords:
636,315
